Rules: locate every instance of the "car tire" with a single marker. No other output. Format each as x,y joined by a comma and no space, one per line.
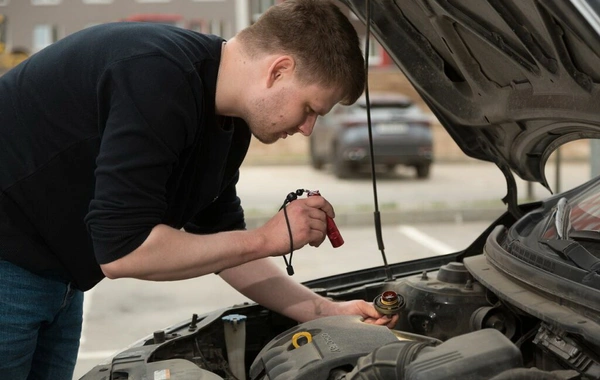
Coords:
341,168
315,162
423,170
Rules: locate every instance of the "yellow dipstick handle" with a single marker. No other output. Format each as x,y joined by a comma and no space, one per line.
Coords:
301,338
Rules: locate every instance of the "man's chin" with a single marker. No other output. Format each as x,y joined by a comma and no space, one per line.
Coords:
266,139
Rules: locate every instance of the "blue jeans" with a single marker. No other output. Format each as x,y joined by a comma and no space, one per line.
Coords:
40,325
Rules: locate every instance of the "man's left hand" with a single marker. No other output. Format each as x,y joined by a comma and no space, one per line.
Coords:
367,311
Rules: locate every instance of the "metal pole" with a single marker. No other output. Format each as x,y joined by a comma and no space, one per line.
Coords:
529,190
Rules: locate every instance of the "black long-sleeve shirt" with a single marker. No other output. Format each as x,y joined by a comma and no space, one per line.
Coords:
107,133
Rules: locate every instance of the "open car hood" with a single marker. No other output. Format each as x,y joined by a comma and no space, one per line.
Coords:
510,80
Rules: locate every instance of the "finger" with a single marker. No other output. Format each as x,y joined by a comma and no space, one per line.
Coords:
383,321
321,203
309,231
317,237
304,211
393,321
368,309
313,220
318,224
370,321
301,216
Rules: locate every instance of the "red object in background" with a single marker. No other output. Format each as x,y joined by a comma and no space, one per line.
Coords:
332,231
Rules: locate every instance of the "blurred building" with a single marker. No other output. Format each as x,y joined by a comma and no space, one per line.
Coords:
30,25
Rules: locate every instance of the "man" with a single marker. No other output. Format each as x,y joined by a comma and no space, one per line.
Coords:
117,137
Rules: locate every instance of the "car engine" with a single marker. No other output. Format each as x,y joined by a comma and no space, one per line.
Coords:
451,326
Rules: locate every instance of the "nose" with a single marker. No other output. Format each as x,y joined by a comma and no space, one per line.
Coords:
308,125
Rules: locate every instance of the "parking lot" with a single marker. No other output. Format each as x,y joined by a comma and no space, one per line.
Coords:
464,187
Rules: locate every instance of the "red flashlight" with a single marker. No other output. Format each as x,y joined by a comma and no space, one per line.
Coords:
332,231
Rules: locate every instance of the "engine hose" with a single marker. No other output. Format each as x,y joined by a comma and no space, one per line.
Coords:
387,362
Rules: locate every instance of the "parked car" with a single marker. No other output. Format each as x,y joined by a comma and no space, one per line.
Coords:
510,81
401,134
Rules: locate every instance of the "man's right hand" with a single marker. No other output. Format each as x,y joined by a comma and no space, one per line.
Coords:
307,221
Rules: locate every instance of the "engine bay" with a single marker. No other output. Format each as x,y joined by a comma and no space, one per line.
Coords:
452,325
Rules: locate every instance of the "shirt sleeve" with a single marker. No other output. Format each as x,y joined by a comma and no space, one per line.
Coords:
147,116
224,214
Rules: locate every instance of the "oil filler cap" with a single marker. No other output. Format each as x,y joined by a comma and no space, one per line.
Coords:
301,338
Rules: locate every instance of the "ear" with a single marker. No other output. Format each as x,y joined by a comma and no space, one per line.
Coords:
281,68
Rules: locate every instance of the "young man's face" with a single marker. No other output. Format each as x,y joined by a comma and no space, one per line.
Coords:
289,108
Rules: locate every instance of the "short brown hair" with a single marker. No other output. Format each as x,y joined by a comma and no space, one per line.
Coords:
319,37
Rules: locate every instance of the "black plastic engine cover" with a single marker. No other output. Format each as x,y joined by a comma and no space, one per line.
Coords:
336,342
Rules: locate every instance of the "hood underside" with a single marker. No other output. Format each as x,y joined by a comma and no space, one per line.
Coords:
510,80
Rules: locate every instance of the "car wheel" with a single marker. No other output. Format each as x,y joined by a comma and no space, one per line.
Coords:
341,167
423,170
316,162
